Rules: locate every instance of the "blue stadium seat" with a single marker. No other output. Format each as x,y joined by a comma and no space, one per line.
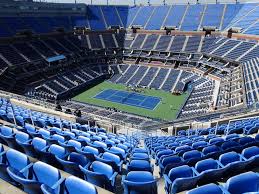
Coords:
170,160
139,150
7,136
111,159
118,151
252,155
244,183
207,189
24,140
180,179
231,145
100,174
101,146
139,182
47,178
89,152
19,169
71,145
71,163
78,186
32,130
140,156
139,165
210,170
194,154
40,145
212,151
199,144
163,153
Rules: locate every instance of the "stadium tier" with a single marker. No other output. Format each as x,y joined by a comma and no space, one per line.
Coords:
156,99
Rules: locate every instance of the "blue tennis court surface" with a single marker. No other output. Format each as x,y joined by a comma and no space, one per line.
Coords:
129,98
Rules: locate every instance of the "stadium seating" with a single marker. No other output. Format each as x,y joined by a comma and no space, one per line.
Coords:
206,55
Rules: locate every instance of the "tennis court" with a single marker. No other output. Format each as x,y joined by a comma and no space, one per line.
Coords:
129,98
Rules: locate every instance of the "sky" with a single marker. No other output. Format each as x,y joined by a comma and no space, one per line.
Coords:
154,2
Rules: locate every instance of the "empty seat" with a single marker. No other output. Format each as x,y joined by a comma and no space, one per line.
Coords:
78,186
180,179
233,161
207,189
213,149
194,154
47,178
88,152
100,174
140,156
113,160
24,140
139,165
244,183
139,182
252,154
167,161
199,144
209,169
71,163
19,167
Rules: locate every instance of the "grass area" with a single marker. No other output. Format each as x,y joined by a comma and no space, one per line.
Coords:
167,109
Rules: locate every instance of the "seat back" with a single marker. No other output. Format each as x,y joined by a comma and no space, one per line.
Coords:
210,149
91,150
78,159
229,144
74,143
58,138
22,137
206,164
191,154
78,186
199,144
46,174
180,172
102,168
205,189
243,183
6,131
250,152
140,182
111,157
17,160
228,158
57,150
171,159
44,133
39,143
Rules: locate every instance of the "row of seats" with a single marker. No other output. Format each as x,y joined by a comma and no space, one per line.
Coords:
185,177
90,154
38,177
244,183
189,152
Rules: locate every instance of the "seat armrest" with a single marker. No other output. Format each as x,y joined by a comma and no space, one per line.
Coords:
220,164
2,153
242,157
44,149
167,180
195,171
26,168
113,176
59,182
120,164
